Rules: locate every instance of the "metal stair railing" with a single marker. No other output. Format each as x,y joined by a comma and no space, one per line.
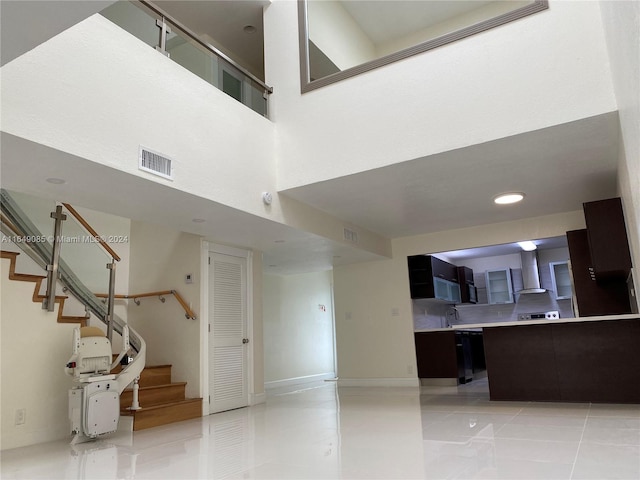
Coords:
37,246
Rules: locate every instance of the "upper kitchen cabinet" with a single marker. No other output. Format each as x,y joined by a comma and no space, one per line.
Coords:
594,298
608,245
499,286
561,279
430,277
468,291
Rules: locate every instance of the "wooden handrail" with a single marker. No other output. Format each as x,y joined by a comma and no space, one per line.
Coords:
10,225
187,311
93,233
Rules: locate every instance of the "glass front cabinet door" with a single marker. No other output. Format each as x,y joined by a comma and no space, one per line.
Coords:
499,286
561,279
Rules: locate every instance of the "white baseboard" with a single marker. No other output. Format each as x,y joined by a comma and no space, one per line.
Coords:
257,398
378,382
439,382
299,380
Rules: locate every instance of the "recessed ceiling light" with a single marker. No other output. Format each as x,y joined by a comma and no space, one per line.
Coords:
249,29
527,246
198,220
508,198
56,181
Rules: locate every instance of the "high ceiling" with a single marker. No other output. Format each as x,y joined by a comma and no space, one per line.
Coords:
557,168
223,22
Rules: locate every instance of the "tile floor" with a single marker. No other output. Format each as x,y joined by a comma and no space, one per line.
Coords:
323,432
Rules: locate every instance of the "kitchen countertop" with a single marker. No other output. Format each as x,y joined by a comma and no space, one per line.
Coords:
476,326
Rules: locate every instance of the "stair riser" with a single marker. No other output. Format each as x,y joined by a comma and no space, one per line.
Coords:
154,396
159,405
169,414
37,297
152,376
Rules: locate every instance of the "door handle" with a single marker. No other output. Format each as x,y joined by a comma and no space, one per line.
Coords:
245,340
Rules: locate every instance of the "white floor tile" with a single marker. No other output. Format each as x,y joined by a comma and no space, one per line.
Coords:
599,461
325,432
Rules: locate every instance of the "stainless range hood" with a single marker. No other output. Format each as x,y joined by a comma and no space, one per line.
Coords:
530,275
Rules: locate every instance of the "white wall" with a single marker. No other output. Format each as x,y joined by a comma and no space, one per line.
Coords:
555,70
298,332
85,257
35,349
25,325
160,259
374,320
622,31
258,324
453,24
333,30
479,265
115,93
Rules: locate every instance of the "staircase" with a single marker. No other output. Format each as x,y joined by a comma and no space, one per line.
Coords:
162,401
37,297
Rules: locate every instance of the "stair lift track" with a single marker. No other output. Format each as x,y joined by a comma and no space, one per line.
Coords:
41,253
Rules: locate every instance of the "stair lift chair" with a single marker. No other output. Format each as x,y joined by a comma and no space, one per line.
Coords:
94,400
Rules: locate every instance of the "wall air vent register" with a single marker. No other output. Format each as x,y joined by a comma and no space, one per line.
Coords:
154,162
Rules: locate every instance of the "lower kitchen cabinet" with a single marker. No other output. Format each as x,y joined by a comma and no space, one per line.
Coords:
436,354
565,362
454,355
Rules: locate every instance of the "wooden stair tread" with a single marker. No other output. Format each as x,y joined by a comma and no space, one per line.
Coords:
158,415
146,367
186,401
155,395
158,377
37,297
151,375
150,387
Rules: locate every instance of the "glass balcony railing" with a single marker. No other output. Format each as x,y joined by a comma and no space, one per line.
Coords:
79,251
82,263
155,28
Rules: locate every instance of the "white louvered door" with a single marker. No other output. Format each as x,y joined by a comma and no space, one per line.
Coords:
228,332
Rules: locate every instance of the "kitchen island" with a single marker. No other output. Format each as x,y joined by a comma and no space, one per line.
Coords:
587,359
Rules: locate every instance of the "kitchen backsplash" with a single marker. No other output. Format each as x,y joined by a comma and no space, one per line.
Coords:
428,314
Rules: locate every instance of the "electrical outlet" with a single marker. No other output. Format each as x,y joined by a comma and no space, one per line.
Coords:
21,416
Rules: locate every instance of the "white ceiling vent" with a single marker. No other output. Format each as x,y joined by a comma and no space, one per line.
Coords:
350,235
154,162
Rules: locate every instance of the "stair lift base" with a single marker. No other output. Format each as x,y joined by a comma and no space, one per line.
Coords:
94,400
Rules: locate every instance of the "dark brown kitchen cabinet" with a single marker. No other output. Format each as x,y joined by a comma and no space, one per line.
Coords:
565,362
436,354
465,275
450,354
608,245
430,277
444,270
468,291
594,296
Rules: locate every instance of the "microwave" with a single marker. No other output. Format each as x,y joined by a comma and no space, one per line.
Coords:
472,293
